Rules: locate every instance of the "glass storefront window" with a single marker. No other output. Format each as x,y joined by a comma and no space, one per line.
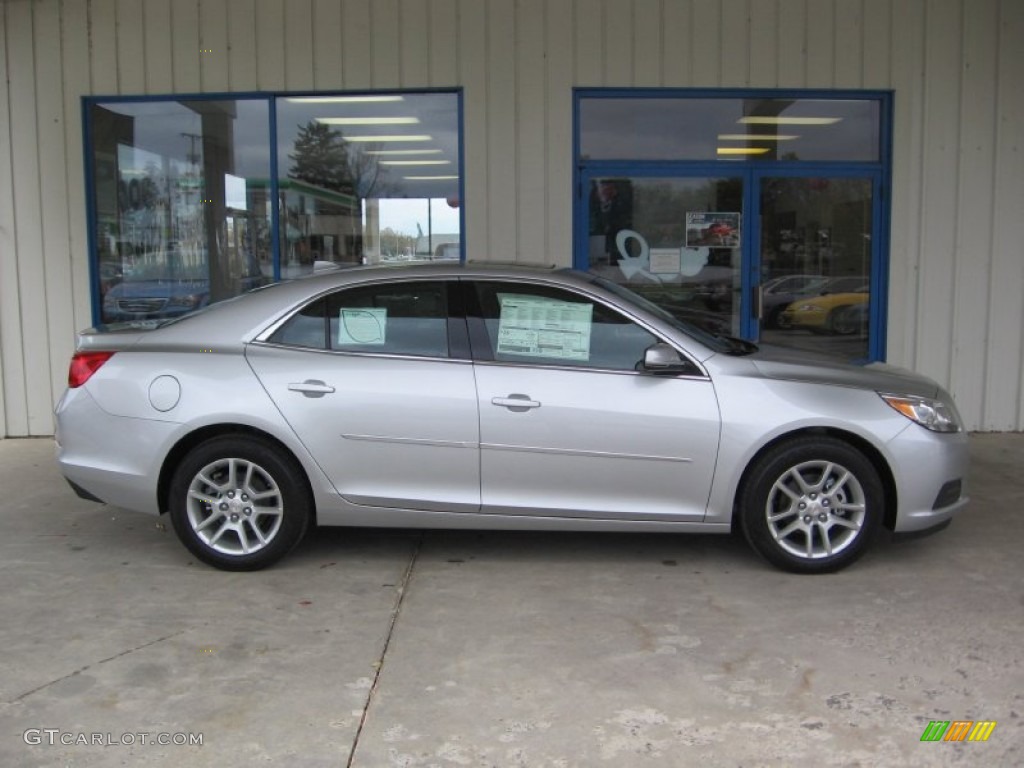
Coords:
182,203
180,218
750,213
757,129
366,179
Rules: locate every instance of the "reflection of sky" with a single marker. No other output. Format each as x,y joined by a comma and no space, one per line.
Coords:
167,127
688,129
403,216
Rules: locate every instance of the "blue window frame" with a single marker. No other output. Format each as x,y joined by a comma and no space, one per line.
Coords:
812,174
195,198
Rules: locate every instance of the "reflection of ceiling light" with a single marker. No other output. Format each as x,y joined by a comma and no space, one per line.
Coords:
415,162
429,178
368,120
742,150
403,151
341,99
756,120
756,137
420,137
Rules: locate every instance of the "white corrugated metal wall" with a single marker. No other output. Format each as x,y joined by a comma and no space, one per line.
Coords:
956,303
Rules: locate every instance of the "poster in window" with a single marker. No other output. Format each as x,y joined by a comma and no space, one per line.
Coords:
712,229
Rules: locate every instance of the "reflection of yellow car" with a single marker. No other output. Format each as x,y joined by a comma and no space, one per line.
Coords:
839,309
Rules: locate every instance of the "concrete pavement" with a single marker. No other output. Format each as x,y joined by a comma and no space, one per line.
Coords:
397,648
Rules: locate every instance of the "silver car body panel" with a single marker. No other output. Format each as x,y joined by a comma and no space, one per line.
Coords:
394,432
109,428
651,457
411,441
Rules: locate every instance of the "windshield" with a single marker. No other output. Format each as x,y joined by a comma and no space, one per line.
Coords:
716,342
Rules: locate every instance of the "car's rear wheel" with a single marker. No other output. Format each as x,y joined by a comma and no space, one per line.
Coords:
239,503
811,505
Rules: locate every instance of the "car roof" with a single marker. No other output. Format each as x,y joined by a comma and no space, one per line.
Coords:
240,318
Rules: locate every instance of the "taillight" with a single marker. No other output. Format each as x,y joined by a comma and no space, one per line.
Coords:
84,365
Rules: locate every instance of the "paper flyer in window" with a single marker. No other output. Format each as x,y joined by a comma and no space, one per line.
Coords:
666,261
539,327
362,326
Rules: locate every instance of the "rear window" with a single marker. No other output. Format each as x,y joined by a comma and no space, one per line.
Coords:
405,318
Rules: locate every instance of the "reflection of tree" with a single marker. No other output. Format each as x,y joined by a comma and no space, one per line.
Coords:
395,243
364,170
321,158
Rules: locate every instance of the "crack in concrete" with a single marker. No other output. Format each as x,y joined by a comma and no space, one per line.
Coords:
87,667
406,578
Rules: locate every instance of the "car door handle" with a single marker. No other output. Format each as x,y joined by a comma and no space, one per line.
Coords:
517,403
311,388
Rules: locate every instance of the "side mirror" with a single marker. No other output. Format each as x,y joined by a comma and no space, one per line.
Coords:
663,359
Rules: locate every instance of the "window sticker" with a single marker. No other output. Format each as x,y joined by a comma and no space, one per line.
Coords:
362,326
666,261
540,327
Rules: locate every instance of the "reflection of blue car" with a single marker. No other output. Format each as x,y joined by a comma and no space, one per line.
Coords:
145,299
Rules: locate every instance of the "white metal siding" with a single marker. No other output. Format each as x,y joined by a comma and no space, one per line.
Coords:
956,299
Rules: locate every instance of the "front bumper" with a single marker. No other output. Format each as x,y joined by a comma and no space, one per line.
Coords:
931,477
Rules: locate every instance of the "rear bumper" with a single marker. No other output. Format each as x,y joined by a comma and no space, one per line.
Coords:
81,493
108,458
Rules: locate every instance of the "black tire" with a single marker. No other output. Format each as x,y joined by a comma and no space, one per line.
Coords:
243,522
824,475
842,321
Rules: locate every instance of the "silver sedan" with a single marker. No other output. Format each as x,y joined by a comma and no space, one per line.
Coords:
444,396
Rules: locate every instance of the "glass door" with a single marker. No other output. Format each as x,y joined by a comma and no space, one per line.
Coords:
678,240
816,241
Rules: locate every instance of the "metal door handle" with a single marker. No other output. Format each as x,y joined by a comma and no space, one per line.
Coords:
311,388
516,402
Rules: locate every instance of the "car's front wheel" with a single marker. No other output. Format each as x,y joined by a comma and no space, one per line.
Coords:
239,503
811,505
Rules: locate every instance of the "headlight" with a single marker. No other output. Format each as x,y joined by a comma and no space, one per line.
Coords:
936,415
809,308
